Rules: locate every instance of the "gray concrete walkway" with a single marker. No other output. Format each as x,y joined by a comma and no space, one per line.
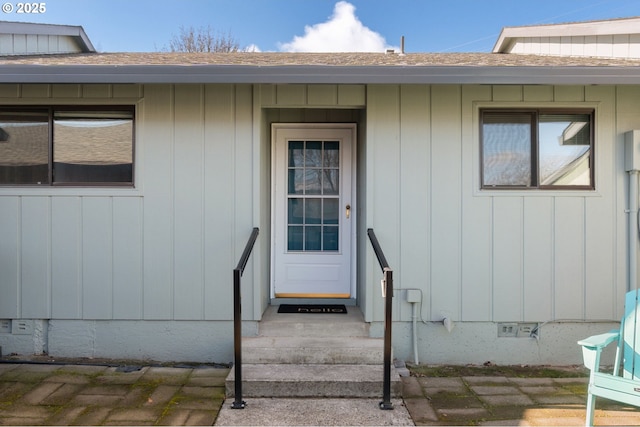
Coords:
40,394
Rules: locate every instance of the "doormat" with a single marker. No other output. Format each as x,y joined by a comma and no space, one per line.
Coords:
313,308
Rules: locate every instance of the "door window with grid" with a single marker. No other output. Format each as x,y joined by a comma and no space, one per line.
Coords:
313,196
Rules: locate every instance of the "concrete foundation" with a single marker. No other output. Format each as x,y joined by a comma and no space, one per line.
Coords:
478,342
162,341
212,341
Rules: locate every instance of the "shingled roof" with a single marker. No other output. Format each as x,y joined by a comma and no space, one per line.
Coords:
349,68
271,59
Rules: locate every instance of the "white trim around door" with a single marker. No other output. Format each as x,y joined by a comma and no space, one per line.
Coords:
313,210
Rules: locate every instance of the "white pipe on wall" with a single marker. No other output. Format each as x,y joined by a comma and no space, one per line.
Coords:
415,332
633,229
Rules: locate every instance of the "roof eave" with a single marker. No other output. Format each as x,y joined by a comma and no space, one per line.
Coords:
500,45
294,74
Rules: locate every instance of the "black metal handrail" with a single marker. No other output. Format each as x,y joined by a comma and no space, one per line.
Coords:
387,292
238,403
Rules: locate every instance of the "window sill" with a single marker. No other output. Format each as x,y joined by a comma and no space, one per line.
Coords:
489,192
48,191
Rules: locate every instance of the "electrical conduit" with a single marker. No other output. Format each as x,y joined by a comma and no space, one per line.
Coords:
633,229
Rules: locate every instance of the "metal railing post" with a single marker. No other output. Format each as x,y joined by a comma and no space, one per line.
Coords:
388,306
238,403
387,290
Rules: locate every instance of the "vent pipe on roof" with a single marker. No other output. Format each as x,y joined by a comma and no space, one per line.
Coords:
391,51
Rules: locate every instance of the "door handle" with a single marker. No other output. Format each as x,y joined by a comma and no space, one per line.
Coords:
348,211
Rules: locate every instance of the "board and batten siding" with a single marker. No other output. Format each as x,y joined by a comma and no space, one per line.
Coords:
30,44
493,256
606,45
163,250
198,198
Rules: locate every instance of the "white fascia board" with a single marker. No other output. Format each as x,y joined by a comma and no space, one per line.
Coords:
37,29
84,40
85,74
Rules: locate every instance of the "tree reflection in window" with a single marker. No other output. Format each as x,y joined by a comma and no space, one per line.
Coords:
314,191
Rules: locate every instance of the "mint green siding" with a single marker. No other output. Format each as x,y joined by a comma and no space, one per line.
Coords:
494,256
164,250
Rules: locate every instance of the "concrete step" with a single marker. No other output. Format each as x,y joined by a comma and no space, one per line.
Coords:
313,350
275,380
274,324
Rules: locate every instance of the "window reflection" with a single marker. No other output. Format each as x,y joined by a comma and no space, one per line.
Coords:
56,145
313,185
24,148
93,147
537,149
506,149
565,147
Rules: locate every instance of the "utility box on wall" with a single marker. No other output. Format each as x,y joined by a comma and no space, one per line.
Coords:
632,150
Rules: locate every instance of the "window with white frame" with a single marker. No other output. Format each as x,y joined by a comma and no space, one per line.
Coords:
80,146
537,149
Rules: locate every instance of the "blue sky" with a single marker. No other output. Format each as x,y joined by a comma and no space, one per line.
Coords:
324,25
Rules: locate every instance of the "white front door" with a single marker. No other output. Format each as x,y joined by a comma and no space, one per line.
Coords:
313,210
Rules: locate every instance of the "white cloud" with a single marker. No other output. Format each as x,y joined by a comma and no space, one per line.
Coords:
343,32
252,48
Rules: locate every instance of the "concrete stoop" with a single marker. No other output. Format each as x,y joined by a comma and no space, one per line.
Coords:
313,355
313,350
288,380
